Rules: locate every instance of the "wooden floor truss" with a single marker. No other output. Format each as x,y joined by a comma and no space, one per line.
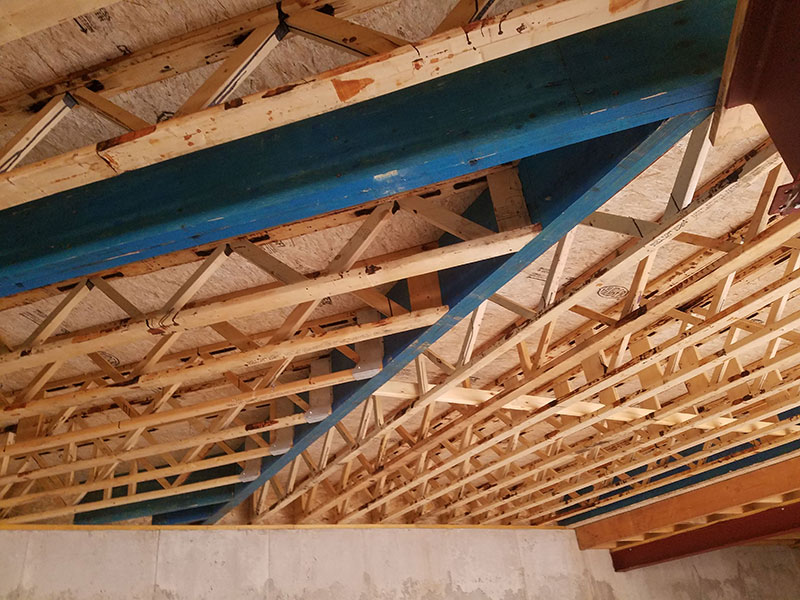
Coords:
699,372
695,361
674,366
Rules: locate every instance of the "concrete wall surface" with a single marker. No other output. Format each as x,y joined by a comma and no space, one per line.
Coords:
365,564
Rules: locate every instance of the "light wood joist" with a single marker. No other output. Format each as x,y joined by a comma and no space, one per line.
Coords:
189,410
366,79
155,325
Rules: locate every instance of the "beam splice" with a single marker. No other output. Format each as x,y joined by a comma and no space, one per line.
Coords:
731,532
292,172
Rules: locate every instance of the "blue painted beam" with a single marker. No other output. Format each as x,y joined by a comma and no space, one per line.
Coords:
637,71
612,163
193,500
187,516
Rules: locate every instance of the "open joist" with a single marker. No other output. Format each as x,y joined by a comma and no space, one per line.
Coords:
253,301
508,397
418,407
516,31
634,399
184,53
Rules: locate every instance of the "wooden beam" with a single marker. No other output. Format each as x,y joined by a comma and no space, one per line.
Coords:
463,13
343,35
510,208
236,68
733,532
108,109
772,480
619,224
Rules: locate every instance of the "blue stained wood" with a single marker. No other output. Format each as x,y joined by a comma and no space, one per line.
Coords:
187,516
192,500
641,70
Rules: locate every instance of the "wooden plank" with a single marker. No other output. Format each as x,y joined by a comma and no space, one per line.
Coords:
691,168
444,219
768,481
424,291
108,109
343,35
236,68
722,115
556,271
510,208
619,224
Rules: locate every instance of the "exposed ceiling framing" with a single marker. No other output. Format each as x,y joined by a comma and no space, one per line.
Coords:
583,337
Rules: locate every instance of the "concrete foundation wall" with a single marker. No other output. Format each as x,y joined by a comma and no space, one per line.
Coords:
362,564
